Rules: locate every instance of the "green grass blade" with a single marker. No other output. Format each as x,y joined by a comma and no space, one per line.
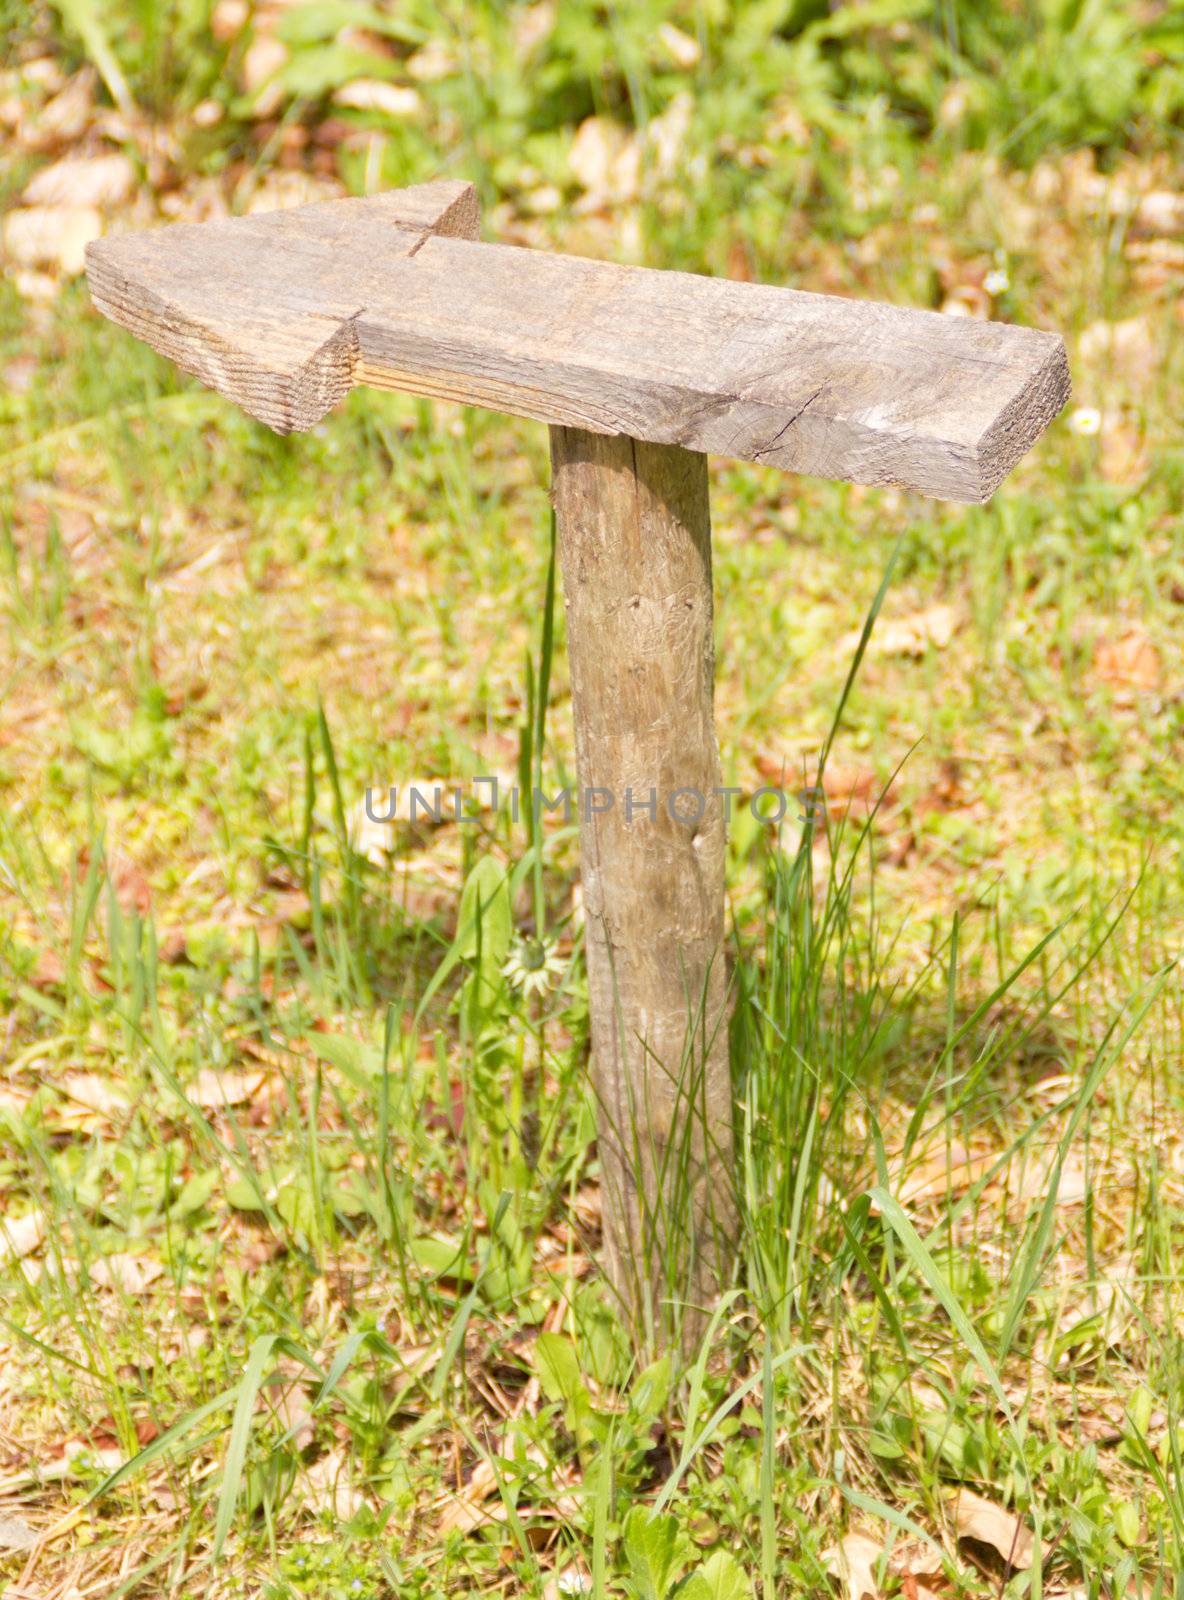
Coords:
240,1434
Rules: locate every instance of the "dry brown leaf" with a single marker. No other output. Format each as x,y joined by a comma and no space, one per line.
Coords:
912,1589
15,1533
1131,662
93,1092
935,1171
606,161
20,1236
51,236
1159,213
1128,347
265,57
967,300
228,18
132,889
1114,1300
918,1566
1122,457
933,626
82,181
987,1523
66,116
375,94
531,25
48,972
289,1405
433,63
126,1273
14,1101
846,787
468,1509
1155,263
682,49
1072,1183
329,1485
666,137
854,1562
280,190
211,1089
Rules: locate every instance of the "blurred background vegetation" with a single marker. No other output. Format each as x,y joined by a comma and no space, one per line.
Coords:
298,1183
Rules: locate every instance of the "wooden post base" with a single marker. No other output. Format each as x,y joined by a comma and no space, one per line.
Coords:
635,548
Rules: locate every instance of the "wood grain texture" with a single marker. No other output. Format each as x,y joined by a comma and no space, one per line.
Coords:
261,308
284,312
635,548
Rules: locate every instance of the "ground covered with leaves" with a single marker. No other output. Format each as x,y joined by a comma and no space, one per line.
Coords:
299,1207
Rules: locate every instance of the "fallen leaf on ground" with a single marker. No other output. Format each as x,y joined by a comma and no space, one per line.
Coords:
211,1089
374,94
64,117
918,1565
51,236
1160,212
912,1589
433,62
20,1236
967,300
279,190
129,885
854,1562
14,1101
330,1487
933,626
606,161
934,1171
1037,1176
82,181
125,1272
105,1433
228,18
173,947
289,1405
78,1452
264,59
1121,455
48,972
1128,347
15,1533
988,1523
1131,662
685,51
468,1509
844,787
93,1092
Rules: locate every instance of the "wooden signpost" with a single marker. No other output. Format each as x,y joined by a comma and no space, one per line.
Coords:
638,373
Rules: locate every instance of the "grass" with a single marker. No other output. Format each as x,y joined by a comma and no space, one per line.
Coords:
313,1306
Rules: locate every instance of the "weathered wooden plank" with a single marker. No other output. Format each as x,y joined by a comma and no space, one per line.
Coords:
284,312
812,383
635,545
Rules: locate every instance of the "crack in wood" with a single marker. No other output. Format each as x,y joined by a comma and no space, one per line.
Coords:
767,449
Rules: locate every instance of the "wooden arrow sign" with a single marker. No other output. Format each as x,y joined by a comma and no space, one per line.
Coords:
285,312
638,373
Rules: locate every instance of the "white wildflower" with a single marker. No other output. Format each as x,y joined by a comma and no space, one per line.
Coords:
533,965
1086,420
